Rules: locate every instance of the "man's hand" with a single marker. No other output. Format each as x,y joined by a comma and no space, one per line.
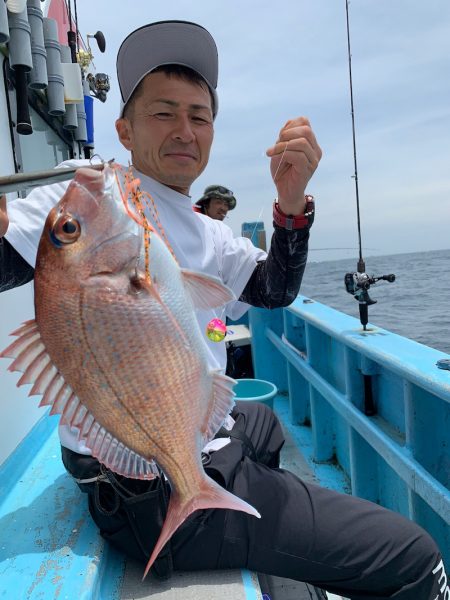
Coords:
4,221
295,157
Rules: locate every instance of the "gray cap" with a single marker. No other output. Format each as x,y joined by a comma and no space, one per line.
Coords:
166,43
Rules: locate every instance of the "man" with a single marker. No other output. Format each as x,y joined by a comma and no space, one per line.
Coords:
216,201
167,74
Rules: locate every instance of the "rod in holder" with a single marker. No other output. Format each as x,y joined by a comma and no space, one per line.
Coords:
358,284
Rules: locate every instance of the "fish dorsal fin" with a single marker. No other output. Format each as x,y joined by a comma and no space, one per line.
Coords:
206,291
31,358
223,402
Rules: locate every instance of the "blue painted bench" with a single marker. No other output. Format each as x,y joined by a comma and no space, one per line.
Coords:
50,548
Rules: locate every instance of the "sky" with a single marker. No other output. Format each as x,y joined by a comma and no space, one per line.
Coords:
279,60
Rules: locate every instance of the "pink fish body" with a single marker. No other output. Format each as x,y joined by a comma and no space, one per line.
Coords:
121,356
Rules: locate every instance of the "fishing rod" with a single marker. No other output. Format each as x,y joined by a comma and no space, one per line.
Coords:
18,182
359,282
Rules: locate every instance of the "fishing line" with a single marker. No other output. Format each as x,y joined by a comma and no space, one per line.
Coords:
217,330
274,180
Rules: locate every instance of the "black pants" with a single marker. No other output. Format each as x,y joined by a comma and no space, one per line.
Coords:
334,541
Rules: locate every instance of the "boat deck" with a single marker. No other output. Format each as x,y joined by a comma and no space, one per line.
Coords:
50,548
333,376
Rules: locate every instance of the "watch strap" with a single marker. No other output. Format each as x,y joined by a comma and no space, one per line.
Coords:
291,222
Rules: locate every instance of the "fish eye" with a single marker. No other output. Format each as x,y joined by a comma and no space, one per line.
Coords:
66,230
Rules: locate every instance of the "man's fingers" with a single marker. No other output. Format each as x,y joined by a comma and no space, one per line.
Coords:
298,138
3,216
298,121
298,133
290,151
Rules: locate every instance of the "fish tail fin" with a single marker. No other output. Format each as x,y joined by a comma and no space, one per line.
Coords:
210,495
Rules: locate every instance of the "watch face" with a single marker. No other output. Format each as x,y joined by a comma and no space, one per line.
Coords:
309,206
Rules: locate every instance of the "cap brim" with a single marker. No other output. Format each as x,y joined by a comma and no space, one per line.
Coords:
165,43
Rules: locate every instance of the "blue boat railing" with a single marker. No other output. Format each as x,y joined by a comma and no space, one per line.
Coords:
377,406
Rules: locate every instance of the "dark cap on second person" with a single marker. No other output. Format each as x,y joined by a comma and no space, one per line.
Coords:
217,191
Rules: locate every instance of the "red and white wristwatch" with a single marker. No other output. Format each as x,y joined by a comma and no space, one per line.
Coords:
291,222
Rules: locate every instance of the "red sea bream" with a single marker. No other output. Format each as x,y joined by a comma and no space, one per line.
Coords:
116,350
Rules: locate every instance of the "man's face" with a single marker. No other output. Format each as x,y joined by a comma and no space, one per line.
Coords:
217,208
170,130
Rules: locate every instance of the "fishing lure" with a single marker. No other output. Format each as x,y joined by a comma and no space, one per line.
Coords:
216,330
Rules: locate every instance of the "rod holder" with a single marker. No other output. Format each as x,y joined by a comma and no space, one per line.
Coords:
20,41
4,27
38,76
55,90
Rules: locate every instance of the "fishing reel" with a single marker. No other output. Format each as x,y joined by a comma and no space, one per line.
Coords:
98,85
358,285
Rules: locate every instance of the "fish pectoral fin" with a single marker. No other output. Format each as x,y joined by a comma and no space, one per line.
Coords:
206,291
31,358
221,406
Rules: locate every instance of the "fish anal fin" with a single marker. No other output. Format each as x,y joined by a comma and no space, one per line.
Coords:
223,402
206,291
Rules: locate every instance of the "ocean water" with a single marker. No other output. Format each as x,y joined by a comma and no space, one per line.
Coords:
416,305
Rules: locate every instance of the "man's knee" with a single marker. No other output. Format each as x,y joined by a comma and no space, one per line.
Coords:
426,550
424,565
425,547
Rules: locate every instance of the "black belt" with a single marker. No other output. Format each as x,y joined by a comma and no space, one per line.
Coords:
241,436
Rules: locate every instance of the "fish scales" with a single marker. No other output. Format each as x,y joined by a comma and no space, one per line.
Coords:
127,347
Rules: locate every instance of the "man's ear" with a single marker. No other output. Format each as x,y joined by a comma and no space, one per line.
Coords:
124,131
